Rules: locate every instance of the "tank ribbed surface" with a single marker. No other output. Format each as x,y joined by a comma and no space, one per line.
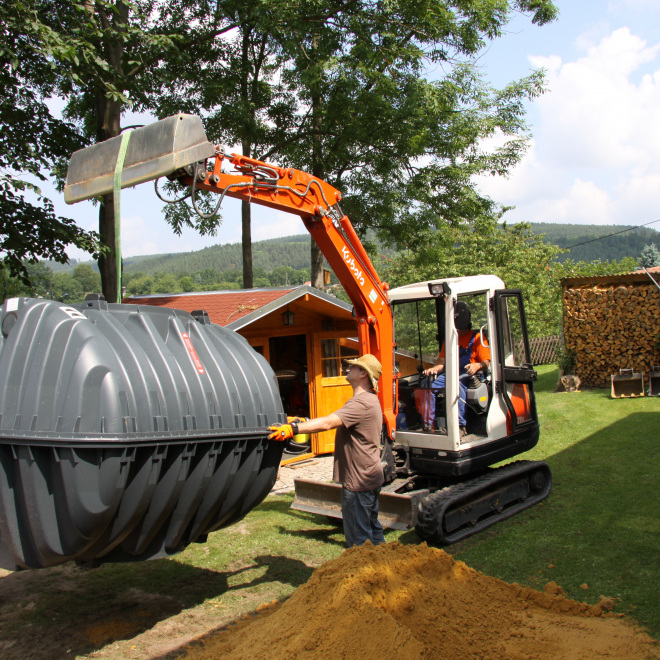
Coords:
126,432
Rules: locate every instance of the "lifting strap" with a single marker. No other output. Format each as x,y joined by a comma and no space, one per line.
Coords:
116,195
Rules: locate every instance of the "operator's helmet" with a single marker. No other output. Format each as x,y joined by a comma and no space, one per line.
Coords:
462,316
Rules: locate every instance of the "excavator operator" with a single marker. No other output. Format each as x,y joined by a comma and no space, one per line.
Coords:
474,359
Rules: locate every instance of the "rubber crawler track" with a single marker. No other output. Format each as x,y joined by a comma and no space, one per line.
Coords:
433,509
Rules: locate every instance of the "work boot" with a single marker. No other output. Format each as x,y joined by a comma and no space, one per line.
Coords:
462,432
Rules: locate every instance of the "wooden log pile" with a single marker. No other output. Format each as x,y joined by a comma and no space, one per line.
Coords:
611,327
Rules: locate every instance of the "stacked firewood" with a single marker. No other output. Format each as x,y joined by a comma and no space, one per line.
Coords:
609,328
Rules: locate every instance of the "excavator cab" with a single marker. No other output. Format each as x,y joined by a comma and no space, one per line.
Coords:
447,319
420,327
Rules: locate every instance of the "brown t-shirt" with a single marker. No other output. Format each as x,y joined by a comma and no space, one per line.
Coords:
357,443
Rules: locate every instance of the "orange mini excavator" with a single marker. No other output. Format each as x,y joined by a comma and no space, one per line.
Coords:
147,429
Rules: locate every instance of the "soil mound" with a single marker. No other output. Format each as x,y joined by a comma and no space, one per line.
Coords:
410,602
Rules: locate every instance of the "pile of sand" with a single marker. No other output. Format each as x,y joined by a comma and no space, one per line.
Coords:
404,602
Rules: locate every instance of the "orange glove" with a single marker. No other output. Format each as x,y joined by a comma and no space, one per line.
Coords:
297,420
281,432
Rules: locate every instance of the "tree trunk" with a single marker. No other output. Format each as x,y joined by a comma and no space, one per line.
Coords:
108,125
318,170
246,145
108,118
246,217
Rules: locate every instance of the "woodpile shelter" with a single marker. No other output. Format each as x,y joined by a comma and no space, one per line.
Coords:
304,334
612,322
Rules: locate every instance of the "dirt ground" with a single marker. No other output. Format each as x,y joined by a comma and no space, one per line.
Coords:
416,602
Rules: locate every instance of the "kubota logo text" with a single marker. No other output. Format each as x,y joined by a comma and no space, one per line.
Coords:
351,264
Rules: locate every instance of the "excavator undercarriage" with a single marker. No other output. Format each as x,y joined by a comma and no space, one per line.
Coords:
442,514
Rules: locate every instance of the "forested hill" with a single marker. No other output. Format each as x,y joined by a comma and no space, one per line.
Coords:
287,251
613,242
293,251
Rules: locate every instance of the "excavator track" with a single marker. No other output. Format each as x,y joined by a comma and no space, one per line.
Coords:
454,513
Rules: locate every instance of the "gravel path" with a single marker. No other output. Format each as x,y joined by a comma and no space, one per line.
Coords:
319,467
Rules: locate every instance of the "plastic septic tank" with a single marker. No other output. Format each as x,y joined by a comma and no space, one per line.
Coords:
126,432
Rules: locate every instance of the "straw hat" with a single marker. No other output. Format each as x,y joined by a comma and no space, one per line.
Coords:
371,365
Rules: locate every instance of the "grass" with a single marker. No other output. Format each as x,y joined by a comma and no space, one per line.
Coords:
599,527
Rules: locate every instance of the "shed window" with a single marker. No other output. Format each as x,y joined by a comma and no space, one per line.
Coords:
332,353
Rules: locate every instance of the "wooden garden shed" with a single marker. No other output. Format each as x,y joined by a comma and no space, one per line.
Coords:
612,322
304,334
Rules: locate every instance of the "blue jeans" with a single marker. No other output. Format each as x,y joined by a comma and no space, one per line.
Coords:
360,512
439,384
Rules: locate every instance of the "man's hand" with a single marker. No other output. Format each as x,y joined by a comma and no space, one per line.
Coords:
281,432
472,368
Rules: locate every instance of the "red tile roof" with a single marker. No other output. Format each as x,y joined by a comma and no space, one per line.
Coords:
223,307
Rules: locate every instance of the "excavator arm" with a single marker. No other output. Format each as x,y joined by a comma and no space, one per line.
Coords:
174,146
317,203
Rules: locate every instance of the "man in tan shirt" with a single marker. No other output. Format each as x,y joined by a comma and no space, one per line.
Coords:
357,463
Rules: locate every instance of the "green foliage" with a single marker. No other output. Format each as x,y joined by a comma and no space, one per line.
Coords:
402,149
565,359
519,257
140,285
287,252
570,268
167,284
31,148
649,257
187,284
66,288
89,279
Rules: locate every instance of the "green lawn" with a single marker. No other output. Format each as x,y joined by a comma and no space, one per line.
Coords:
599,527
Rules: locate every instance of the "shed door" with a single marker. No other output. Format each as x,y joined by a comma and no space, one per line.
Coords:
515,368
331,391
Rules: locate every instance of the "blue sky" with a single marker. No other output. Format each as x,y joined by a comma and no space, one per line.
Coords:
595,153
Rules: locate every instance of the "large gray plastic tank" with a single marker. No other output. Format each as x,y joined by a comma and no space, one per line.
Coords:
126,432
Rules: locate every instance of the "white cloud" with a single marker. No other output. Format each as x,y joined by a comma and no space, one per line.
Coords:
594,158
272,224
597,115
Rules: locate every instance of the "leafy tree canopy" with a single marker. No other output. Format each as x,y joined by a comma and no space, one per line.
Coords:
32,140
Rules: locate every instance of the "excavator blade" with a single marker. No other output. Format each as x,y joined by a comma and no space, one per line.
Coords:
395,511
154,150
